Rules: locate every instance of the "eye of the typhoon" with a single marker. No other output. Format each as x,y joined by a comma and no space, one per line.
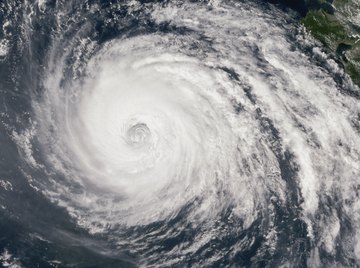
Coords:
179,134
138,134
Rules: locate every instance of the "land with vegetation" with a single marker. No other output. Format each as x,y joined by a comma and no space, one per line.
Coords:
336,23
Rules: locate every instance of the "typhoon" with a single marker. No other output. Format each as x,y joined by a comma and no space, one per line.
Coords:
174,134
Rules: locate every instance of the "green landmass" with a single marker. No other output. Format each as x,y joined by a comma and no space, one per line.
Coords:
337,25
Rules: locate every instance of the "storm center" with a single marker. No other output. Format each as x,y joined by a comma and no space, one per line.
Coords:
138,134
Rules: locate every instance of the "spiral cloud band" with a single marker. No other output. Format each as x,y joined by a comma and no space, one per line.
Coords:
222,124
